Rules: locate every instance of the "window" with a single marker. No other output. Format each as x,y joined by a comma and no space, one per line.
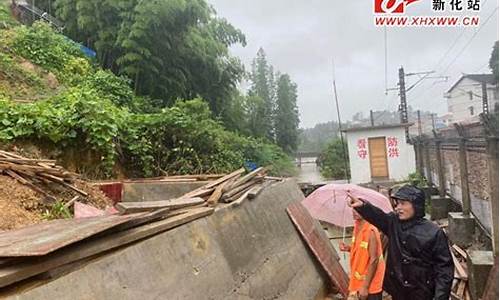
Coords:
471,108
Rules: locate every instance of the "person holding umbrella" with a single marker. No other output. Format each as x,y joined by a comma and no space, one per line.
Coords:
419,262
366,261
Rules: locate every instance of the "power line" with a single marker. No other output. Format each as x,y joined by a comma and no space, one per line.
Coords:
450,48
385,53
470,40
461,51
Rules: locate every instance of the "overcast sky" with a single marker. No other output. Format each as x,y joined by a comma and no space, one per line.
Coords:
302,38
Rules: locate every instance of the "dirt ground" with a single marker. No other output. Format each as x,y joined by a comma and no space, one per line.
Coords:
20,206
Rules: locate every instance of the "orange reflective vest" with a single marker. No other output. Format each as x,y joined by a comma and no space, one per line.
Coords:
360,259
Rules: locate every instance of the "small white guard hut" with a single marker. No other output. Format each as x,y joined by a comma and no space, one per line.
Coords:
380,153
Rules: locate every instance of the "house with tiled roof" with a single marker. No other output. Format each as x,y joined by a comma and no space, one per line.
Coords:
465,97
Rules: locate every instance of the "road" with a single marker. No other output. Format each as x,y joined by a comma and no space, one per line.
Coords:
309,172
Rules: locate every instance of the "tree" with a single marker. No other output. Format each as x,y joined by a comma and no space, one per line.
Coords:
332,159
263,87
169,49
254,110
494,61
287,115
315,139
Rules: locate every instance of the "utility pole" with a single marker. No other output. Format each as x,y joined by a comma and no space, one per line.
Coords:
433,122
403,104
403,107
346,166
419,123
371,118
485,98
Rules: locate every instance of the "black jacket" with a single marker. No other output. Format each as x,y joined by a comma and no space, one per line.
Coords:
419,263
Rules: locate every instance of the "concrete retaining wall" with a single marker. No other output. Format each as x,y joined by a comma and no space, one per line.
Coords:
248,252
157,190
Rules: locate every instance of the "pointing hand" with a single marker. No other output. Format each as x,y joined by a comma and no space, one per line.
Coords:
353,201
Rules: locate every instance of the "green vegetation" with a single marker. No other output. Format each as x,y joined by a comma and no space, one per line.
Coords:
57,211
271,105
417,179
317,138
332,161
493,62
97,117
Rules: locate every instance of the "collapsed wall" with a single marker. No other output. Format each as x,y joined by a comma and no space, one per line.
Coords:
249,251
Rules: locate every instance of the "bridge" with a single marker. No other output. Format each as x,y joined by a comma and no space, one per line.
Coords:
306,158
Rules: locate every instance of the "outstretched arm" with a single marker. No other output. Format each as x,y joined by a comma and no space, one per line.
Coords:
372,214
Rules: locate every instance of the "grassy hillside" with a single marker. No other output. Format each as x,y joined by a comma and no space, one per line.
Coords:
55,98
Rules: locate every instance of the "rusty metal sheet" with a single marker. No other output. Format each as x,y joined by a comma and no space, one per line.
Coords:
41,239
320,245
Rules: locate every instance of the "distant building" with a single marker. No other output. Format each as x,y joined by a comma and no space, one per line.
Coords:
379,153
465,100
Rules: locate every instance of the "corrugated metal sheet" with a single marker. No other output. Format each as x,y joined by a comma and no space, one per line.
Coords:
318,242
41,239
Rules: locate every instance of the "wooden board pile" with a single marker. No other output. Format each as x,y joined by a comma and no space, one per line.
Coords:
48,247
37,174
460,289
232,188
176,178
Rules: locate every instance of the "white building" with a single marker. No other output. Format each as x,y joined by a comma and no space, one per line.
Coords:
465,97
380,153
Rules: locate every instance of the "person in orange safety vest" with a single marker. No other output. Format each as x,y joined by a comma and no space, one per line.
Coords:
366,261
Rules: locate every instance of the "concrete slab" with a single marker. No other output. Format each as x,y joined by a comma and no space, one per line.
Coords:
440,206
155,190
479,264
461,229
251,251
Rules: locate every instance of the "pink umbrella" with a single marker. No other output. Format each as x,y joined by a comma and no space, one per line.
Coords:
329,203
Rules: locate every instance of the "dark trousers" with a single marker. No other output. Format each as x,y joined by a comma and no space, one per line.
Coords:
375,296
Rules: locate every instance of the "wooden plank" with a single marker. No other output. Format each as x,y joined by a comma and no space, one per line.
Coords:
216,195
233,198
460,251
461,289
255,191
198,193
467,295
208,188
460,270
240,199
41,239
132,207
274,178
143,219
238,189
75,189
10,154
28,161
71,202
227,177
247,177
316,239
95,246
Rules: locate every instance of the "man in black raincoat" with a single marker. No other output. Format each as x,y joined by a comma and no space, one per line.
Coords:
419,263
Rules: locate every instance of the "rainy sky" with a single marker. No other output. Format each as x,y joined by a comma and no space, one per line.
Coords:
304,38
